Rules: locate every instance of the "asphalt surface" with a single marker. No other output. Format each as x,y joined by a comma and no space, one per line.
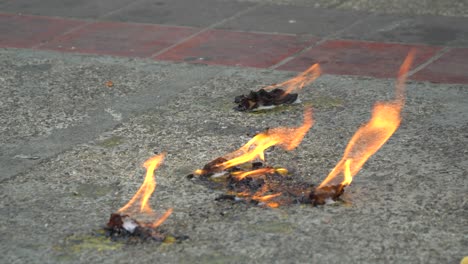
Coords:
72,150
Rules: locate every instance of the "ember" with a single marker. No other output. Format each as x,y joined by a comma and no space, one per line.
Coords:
264,99
122,225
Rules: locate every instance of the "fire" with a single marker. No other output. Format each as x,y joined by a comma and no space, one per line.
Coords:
139,201
284,137
239,175
262,186
371,136
260,197
300,80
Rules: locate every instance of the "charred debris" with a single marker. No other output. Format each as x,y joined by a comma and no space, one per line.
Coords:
263,185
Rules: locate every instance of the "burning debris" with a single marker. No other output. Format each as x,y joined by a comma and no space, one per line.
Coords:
264,99
367,140
255,183
245,177
249,180
265,185
123,225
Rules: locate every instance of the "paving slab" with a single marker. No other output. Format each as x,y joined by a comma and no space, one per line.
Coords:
180,12
237,48
64,8
406,205
450,68
359,58
317,22
429,30
29,31
422,7
121,39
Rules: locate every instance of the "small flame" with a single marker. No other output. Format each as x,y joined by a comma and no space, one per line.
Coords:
239,175
265,198
371,136
260,197
143,194
300,80
286,138
162,218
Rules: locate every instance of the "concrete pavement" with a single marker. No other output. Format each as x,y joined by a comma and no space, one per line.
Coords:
72,147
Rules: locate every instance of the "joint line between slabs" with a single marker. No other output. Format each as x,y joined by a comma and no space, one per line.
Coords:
110,13
436,56
318,43
212,26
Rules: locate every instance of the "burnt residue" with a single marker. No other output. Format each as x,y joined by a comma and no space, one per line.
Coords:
325,194
263,98
124,228
247,190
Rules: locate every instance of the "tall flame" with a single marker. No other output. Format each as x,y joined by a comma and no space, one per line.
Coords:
371,136
301,80
141,197
284,137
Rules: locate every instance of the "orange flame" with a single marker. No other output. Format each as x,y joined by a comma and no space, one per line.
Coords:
260,197
300,80
286,138
265,198
239,175
143,194
371,136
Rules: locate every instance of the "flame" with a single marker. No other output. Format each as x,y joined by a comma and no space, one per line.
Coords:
260,197
162,218
265,198
371,136
239,175
143,194
300,80
284,137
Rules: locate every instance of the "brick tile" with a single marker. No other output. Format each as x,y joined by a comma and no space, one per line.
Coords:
452,67
199,13
121,39
381,60
237,48
293,20
28,31
428,30
64,8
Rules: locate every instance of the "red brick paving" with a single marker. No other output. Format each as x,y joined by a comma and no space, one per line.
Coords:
237,48
374,59
121,39
28,31
234,48
452,67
